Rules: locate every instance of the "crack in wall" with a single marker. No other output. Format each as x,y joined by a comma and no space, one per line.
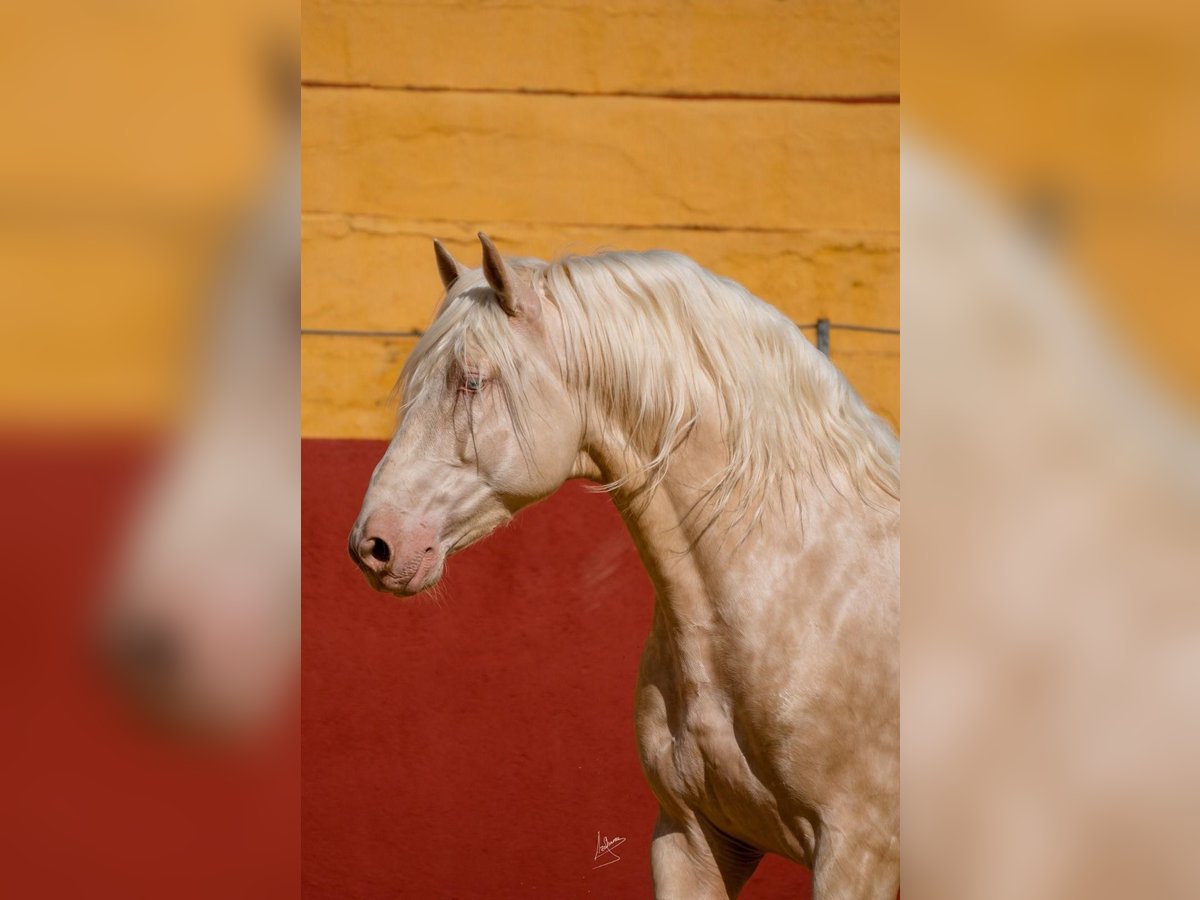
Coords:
372,223
879,99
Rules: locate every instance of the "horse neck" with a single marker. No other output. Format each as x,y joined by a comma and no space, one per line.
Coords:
718,589
698,560
694,558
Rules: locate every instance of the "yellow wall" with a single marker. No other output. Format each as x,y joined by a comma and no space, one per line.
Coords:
760,138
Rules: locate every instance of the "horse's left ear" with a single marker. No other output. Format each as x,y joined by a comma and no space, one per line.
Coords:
515,295
448,267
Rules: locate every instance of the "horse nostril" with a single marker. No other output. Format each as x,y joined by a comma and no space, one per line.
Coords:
428,549
379,549
147,651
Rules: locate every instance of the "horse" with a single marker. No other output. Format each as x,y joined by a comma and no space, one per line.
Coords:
763,498
200,623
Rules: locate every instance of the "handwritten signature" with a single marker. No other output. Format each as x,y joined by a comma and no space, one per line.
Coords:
604,848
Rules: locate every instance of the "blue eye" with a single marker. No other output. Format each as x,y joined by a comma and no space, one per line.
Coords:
473,382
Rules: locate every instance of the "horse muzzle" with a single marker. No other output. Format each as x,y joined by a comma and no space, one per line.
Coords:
397,556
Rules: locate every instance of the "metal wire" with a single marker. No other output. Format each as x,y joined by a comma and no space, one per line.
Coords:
338,332
416,333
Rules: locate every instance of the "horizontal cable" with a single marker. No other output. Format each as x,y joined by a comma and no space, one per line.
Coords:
416,333
338,332
842,326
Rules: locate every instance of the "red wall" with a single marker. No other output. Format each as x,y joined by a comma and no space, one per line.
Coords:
472,745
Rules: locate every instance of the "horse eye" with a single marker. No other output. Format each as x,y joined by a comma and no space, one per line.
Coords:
473,382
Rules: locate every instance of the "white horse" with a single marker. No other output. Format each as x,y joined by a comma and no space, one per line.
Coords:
203,623
763,499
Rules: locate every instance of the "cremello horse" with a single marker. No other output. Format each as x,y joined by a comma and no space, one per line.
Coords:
763,499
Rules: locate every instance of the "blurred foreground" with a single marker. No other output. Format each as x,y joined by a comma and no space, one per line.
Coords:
149,271
1050,221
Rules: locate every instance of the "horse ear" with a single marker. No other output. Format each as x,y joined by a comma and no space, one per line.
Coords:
448,267
499,276
516,297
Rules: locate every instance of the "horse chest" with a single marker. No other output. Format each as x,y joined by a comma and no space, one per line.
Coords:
693,756
681,742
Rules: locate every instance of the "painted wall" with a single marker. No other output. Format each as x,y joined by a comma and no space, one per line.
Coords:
471,743
759,137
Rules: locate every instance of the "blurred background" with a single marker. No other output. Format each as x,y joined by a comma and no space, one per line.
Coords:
477,744
1051,217
149,196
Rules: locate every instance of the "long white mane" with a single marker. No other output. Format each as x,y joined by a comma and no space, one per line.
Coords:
652,338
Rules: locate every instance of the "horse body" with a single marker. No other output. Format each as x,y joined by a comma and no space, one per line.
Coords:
761,496
768,710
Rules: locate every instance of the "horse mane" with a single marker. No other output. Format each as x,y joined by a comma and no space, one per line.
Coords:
640,328
651,336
